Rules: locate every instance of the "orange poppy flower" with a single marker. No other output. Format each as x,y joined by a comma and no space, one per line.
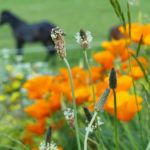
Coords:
38,87
39,109
37,128
142,60
136,72
82,95
116,46
146,34
105,58
136,31
126,105
54,102
124,83
96,73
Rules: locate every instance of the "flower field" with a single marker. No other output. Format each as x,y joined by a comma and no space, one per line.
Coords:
97,101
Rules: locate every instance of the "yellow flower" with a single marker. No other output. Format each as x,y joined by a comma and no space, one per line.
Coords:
19,76
16,84
15,96
2,97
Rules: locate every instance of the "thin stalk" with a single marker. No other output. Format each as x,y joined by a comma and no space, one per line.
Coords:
92,141
115,120
15,141
74,103
89,129
130,137
129,18
7,147
135,93
90,75
101,139
133,82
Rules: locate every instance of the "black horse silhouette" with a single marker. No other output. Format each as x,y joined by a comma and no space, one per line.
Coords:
25,33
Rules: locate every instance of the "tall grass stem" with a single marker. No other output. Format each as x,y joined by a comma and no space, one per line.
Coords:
74,103
90,75
115,120
89,129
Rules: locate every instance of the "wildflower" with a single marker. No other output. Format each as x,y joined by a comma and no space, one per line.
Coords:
33,86
2,97
118,48
82,94
97,123
40,109
124,83
37,128
126,105
113,79
57,35
84,38
138,31
49,146
69,116
136,72
105,58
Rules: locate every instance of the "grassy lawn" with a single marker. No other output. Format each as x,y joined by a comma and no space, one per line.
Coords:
71,15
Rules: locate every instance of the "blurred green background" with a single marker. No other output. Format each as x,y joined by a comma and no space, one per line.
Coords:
94,15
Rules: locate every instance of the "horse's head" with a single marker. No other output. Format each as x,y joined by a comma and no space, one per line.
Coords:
4,16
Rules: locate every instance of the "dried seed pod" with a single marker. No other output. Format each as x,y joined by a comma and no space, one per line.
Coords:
87,114
69,116
57,35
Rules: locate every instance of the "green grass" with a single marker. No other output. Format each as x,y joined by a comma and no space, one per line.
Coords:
71,15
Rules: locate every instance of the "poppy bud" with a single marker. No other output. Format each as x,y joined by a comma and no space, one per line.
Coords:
113,79
48,136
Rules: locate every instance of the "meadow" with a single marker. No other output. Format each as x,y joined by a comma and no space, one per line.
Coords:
94,94
69,15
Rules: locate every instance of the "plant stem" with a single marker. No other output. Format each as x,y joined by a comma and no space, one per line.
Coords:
90,75
89,129
74,103
91,140
115,120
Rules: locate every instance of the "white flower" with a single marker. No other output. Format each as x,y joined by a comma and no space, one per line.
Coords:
69,114
89,129
99,122
95,125
85,39
48,146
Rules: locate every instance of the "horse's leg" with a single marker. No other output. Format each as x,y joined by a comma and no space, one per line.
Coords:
19,53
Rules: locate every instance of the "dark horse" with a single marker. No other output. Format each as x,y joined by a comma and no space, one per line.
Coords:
25,33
